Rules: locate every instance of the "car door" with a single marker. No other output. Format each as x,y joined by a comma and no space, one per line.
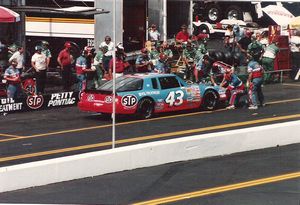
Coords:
173,93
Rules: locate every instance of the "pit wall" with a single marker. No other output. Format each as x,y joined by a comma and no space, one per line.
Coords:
147,155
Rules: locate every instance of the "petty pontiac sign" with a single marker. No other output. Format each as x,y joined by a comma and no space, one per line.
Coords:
37,102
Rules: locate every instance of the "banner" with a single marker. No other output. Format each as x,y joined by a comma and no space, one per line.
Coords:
38,102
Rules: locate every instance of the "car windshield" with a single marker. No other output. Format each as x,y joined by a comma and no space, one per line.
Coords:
123,84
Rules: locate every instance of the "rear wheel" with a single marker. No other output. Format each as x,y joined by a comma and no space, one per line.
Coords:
145,108
204,29
210,100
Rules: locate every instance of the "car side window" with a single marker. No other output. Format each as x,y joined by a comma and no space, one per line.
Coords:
168,82
154,83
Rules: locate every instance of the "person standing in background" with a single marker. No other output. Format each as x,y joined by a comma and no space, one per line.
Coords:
19,57
39,63
46,51
108,48
154,35
65,59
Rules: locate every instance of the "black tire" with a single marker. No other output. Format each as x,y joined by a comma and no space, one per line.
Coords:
210,100
204,29
145,108
213,13
234,12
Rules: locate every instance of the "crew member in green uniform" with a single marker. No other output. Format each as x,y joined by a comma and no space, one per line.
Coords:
188,56
268,59
98,60
255,50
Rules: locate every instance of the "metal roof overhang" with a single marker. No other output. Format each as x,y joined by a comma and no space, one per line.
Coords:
86,11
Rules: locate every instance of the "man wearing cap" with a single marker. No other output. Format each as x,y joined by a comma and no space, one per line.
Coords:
235,87
12,75
46,51
142,62
183,35
19,57
162,65
39,63
188,56
120,63
255,49
268,59
65,60
154,35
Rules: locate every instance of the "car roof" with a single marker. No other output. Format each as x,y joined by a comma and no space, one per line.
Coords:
148,75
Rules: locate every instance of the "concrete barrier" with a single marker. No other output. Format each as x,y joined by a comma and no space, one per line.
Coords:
147,154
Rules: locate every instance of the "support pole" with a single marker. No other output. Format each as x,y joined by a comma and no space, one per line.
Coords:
165,20
114,78
191,17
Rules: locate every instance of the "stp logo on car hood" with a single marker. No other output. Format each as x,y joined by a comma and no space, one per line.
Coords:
35,101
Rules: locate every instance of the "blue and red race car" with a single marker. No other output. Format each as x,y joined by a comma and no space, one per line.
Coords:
146,94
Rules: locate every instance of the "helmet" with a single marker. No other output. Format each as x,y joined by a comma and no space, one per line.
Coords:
38,48
67,44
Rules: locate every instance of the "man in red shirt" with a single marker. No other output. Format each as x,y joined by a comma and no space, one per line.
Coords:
120,63
65,60
183,35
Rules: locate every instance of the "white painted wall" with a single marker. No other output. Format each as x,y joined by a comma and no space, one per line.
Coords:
146,155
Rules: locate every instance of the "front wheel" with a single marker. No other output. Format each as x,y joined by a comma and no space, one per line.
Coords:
210,100
145,108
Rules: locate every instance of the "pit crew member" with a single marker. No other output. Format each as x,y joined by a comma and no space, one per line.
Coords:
254,83
235,87
268,59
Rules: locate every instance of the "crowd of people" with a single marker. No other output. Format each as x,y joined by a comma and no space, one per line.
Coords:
157,56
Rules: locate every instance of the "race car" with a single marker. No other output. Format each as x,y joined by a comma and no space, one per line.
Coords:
146,94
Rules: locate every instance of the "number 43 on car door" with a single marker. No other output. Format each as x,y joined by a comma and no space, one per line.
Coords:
175,98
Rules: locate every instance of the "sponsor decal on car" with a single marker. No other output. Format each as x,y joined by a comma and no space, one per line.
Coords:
108,99
129,101
159,106
149,93
9,104
58,99
35,101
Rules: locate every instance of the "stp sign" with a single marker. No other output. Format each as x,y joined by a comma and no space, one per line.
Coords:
129,100
35,101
